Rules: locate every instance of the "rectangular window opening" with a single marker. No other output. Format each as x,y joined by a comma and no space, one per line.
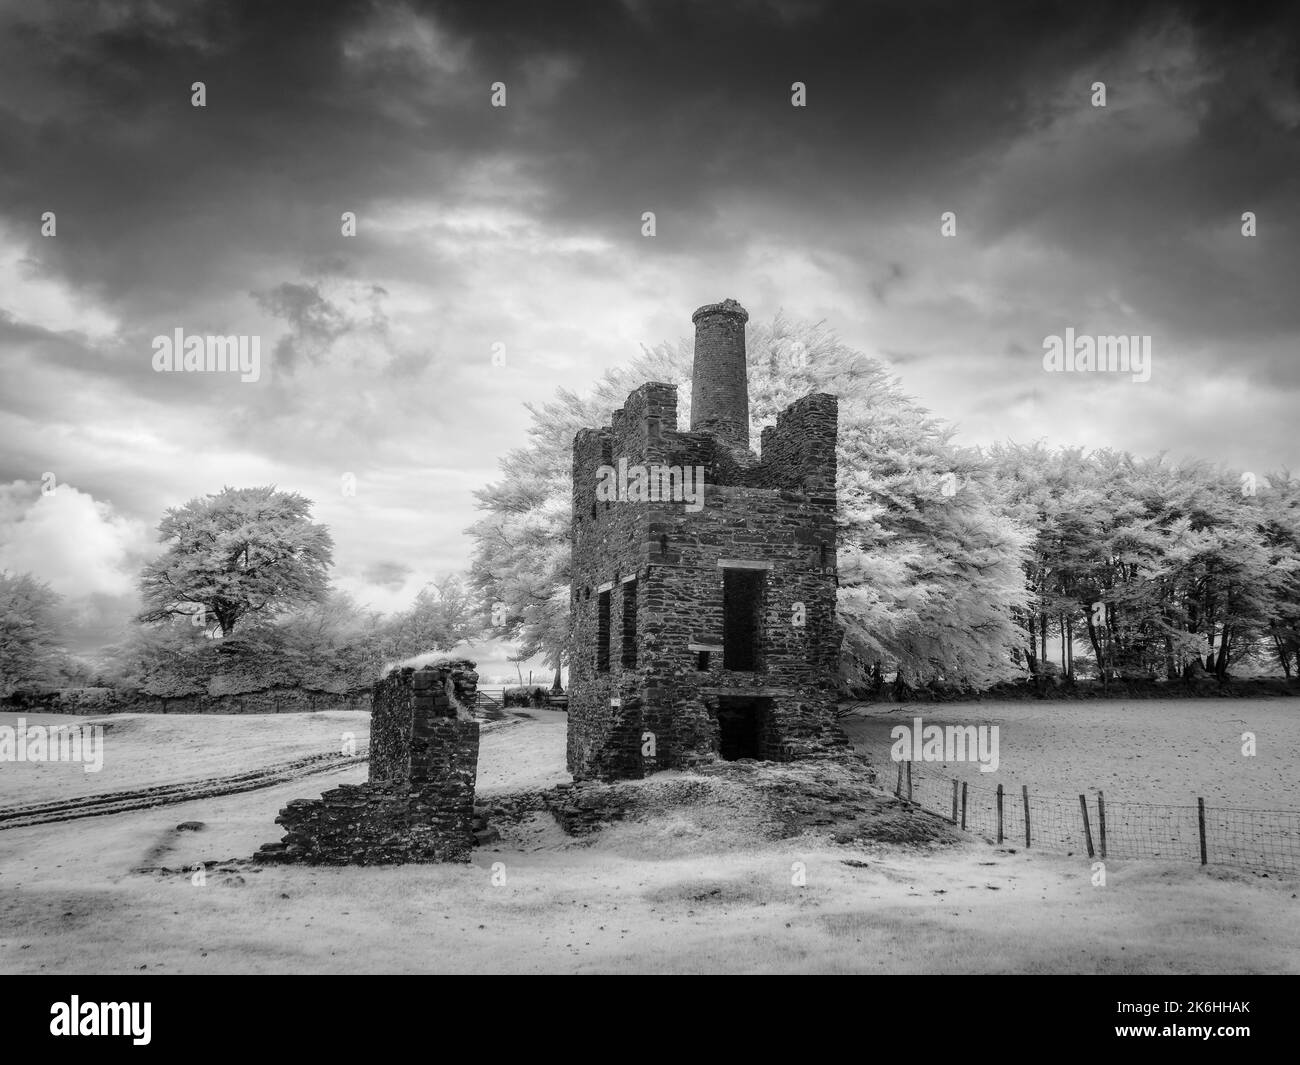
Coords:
629,625
602,632
742,611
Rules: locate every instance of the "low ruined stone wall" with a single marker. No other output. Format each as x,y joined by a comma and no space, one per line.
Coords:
117,701
418,805
391,821
579,808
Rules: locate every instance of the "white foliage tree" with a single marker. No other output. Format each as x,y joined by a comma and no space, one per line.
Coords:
930,557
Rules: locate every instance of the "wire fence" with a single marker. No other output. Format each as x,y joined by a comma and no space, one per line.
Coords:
1264,840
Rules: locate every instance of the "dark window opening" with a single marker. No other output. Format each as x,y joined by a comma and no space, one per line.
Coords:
742,723
823,563
629,625
602,632
702,661
663,544
742,606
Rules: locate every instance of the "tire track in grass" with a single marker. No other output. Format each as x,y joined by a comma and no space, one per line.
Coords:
114,802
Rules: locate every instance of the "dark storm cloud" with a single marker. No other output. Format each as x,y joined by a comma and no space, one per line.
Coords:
616,109
683,100
175,188
521,226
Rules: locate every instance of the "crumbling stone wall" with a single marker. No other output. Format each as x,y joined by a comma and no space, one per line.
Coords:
774,513
418,805
122,701
799,450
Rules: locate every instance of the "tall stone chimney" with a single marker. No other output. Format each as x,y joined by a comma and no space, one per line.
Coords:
719,388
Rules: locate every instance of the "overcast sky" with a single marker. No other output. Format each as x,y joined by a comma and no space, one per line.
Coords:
522,226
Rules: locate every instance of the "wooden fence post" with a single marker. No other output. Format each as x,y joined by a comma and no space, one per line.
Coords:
1087,830
1101,822
898,788
954,802
963,805
1200,815
999,813
1024,790
909,780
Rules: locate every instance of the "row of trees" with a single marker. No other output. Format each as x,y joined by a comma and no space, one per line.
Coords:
961,566
238,601
1157,569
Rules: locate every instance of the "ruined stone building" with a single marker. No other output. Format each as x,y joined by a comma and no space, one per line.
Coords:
418,805
703,614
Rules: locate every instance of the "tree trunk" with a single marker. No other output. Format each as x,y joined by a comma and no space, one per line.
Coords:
1283,656
1225,654
1031,651
1042,635
1096,649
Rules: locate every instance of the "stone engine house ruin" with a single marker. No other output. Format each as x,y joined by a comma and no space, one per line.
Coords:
703,619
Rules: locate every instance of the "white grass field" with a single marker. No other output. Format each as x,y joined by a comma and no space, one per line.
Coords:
142,750
691,891
1146,750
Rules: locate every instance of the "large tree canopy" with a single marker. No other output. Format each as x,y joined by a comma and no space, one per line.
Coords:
241,553
930,557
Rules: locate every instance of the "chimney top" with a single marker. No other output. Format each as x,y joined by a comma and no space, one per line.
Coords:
719,391
727,306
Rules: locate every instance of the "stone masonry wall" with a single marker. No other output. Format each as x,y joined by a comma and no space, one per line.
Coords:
392,719
799,450
679,607
118,701
418,805
776,512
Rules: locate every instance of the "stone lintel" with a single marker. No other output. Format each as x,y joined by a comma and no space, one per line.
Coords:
762,692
